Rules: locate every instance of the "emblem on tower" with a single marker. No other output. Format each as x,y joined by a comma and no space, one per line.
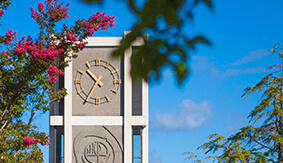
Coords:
99,151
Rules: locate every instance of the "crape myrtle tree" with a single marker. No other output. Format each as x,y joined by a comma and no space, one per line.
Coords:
169,37
262,140
28,69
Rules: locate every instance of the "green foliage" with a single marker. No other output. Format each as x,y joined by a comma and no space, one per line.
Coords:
262,140
165,42
4,4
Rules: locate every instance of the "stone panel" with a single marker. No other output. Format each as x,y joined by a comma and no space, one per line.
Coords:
105,99
97,144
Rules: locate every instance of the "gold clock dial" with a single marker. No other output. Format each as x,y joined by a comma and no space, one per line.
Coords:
97,82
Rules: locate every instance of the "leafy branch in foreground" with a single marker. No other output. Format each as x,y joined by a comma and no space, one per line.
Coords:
262,140
169,43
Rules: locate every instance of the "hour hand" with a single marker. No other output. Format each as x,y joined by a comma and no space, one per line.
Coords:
93,88
94,78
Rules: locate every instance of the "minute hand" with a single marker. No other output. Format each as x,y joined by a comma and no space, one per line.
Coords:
93,88
94,78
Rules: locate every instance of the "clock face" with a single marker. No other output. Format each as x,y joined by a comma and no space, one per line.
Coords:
97,82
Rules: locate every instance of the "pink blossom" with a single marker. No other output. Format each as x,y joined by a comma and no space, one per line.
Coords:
52,79
71,37
46,54
27,141
46,142
100,20
10,35
23,46
61,51
49,1
1,12
35,15
20,50
53,71
31,9
5,54
57,12
35,141
40,6
80,46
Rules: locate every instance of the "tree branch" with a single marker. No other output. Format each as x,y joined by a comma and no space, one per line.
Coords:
34,111
4,125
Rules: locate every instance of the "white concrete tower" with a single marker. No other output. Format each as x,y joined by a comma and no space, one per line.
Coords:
104,117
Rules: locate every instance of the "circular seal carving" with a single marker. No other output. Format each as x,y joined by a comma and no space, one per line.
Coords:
91,148
99,151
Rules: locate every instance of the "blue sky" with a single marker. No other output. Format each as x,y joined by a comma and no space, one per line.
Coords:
181,117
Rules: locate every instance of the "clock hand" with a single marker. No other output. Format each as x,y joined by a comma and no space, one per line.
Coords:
94,77
93,88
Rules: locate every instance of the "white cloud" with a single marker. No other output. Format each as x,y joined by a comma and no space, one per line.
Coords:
253,56
237,72
206,64
189,115
153,158
202,63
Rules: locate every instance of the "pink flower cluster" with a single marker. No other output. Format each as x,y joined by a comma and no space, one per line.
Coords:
52,2
99,21
34,14
10,36
105,21
47,55
71,37
46,142
57,11
82,45
40,6
29,141
90,28
53,71
1,12
48,1
4,52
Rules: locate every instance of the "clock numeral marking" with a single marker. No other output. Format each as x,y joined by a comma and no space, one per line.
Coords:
114,91
78,81
80,71
113,72
81,91
87,64
107,64
97,101
107,98
117,81
97,62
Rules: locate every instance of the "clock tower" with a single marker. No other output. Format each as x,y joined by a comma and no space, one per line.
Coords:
104,117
